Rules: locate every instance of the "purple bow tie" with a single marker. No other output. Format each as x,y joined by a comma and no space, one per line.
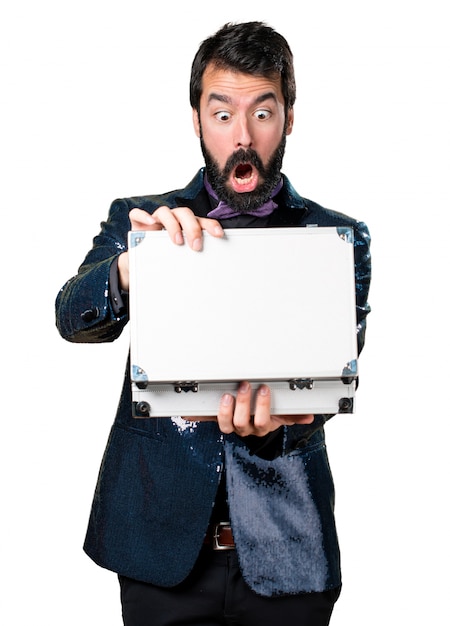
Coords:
223,211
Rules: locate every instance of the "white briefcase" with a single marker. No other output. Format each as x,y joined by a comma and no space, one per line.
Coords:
269,305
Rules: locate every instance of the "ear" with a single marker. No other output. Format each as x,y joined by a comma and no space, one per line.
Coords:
290,121
196,122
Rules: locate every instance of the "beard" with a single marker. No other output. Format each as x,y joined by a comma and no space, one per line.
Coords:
247,201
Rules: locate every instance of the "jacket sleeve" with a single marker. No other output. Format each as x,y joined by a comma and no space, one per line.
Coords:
85,309
363,270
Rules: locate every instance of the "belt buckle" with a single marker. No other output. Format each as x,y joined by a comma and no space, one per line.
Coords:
216,536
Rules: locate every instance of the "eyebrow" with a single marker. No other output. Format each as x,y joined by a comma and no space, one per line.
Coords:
270,95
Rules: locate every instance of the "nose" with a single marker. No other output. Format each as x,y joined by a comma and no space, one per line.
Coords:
242,134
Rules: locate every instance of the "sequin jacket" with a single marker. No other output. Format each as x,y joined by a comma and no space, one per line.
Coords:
159,477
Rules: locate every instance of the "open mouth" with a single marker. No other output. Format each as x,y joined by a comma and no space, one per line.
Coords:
243,173
244,178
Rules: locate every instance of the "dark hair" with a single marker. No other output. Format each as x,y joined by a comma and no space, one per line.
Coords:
249,47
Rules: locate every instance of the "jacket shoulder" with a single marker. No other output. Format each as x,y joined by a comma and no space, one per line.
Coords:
170,198
312,213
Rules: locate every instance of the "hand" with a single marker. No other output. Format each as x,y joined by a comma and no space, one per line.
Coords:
181,223
236,414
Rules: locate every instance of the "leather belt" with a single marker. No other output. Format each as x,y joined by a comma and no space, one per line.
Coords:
220,536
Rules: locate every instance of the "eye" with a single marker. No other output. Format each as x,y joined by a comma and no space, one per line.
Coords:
222,116
262,114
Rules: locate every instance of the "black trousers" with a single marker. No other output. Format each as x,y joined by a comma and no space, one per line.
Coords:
215,594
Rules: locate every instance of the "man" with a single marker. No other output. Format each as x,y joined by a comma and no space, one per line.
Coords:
228,519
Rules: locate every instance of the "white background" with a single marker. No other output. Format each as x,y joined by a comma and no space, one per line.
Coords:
94,105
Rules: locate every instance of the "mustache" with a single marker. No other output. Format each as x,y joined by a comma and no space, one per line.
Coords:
240,157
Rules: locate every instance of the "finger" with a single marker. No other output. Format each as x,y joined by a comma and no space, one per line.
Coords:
243,419
141,220
262,422
225,414
304,419
193,226
291,420
190,225
200,418
211,226
167,218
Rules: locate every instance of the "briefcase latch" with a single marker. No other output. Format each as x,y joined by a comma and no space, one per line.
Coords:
187,385
301,383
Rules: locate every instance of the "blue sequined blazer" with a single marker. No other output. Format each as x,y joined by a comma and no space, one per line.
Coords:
159,477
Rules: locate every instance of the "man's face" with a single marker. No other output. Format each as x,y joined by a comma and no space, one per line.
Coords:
242,127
